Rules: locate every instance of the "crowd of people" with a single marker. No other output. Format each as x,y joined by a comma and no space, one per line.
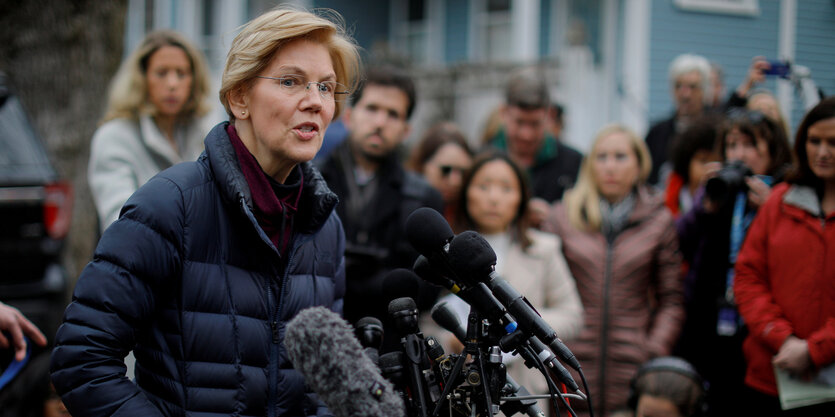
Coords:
683,269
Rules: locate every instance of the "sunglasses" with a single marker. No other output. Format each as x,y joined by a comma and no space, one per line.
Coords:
743,115
446,170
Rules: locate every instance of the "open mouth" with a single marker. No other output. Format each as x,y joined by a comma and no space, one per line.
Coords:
307,130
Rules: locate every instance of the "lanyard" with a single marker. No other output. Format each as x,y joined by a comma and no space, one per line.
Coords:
739,226
15,366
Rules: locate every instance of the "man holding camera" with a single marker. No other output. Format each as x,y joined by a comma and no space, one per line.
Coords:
376,195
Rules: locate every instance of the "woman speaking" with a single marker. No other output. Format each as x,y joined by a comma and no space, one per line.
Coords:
210,259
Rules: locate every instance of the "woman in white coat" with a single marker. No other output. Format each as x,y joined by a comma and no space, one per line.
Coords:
494,201
153,120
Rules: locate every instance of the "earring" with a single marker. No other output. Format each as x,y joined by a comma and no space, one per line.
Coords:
243,113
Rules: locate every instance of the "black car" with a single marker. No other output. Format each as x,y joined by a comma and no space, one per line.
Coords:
35,212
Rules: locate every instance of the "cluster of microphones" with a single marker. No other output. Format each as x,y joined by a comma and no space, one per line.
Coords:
343,366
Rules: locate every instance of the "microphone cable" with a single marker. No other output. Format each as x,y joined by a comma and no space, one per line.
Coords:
588,393
552,387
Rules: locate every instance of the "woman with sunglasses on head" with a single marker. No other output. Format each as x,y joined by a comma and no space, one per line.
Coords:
210,259
153,120
442,156
620,245
786,270
755,155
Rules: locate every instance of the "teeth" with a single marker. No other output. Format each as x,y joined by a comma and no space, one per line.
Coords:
306,129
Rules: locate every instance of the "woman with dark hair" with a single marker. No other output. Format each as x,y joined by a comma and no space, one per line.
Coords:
756,154
442,156
693,152
494,199
786,270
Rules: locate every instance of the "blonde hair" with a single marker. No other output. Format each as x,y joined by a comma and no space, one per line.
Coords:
582,203
128,95
260,39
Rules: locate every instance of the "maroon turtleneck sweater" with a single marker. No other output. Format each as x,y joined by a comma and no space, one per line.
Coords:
274,204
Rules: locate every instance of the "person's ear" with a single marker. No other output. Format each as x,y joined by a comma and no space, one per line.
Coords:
239,103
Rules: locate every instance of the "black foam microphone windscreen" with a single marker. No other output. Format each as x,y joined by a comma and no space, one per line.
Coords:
322,347
474,260
427,230
401,282
471,257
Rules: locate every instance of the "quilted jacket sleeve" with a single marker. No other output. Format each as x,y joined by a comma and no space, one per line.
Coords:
339,279
669,291
565,310
114,296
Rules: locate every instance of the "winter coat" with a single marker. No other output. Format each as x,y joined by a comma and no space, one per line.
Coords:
188,279
377,242
705,244
631,292
785,282
125,154
545,280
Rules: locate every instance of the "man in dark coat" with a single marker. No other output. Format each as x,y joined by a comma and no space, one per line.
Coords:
376,196
690,82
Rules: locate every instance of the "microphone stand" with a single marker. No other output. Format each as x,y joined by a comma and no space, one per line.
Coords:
471,347
405,316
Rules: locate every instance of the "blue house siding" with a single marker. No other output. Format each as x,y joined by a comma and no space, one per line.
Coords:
366,20
457,31
546,29
727,39
815,47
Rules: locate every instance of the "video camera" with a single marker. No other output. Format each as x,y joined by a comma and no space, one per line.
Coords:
729,180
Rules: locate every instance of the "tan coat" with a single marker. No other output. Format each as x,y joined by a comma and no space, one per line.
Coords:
632,296
543,277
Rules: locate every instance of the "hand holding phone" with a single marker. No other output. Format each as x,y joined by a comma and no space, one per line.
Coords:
778,68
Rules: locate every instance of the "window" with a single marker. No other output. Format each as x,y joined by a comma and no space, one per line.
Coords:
411,31
493,30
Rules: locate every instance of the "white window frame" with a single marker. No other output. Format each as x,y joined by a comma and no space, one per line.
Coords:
737,7
431,26
480,18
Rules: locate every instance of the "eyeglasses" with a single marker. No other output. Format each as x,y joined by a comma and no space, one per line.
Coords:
294,84
446,170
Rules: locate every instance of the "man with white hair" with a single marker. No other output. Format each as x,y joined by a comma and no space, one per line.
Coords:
690,82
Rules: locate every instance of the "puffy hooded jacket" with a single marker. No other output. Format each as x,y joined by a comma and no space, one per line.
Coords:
189,281
632,296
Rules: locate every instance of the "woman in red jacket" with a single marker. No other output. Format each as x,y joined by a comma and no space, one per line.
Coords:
785,273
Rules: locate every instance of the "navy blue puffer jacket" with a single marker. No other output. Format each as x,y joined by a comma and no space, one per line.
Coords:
189,281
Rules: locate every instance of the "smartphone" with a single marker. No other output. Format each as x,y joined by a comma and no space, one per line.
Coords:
778,68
